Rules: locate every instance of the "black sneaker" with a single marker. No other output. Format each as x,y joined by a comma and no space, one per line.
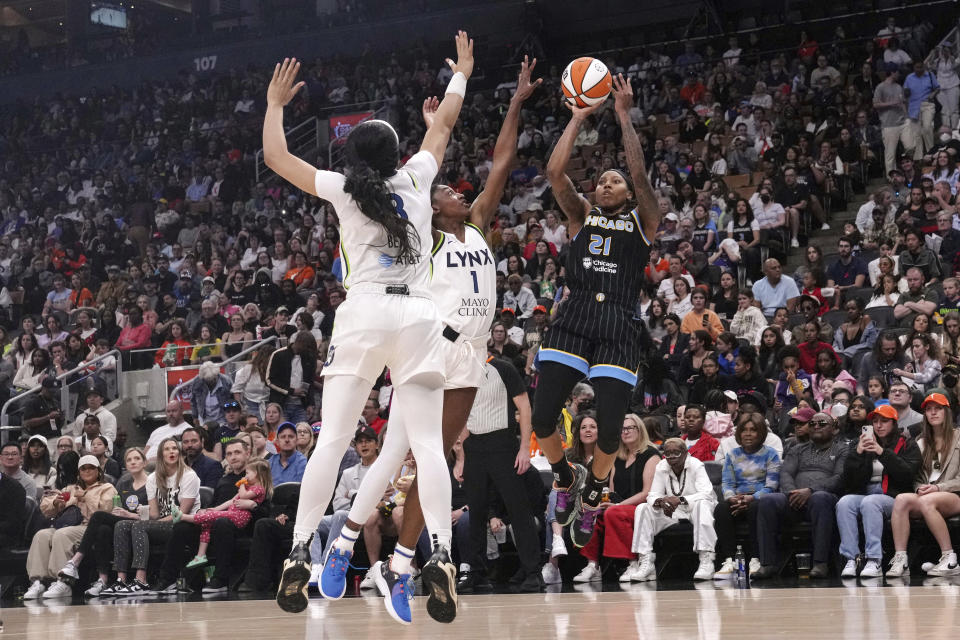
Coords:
439,577
568,499
474,582
533,583
116,588
134,588
215,585
165,588
518,577
294,582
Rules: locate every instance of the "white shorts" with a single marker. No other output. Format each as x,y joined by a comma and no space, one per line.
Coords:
464,362
375,330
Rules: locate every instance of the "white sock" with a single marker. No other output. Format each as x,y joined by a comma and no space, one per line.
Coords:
301,536
347,539
442,538
400,562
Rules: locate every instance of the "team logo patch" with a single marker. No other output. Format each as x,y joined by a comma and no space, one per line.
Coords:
588,263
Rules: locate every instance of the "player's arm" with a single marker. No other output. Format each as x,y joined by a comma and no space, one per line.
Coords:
647,208
437,136
574,205
505,152
275,154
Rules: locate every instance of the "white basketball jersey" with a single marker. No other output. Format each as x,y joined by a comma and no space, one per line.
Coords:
366,251
465,282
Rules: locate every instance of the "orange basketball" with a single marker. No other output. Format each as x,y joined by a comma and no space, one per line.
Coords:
586,81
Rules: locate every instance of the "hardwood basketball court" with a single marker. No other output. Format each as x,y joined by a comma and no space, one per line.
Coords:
708,612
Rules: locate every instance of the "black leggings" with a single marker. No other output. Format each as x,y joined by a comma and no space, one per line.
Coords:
98,538
557,381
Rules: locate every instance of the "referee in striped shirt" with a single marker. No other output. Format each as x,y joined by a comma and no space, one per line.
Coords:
493,456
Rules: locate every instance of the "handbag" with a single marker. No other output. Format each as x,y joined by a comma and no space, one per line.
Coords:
69,517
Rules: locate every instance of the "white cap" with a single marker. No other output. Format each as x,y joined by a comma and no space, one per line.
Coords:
88,460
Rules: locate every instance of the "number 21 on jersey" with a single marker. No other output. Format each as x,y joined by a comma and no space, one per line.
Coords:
599,245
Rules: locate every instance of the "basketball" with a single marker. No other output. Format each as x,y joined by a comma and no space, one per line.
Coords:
586,81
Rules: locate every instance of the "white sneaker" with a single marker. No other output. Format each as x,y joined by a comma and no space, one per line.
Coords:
558,547
871,570
824,227
899,566
95,589
947,566
705,570
315,571
69,570
647,569
35,591
755,565
849,569
632,568
794,244
551,574
58,590
727,570
369,580
590,573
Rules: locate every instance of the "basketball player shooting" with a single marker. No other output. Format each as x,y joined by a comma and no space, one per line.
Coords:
595,335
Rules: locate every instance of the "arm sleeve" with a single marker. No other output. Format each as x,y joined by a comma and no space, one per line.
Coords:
787,471
423,166
729,481
190,486
329,186
773,475
702,485
510,376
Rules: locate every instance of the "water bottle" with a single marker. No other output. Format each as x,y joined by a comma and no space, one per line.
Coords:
743,578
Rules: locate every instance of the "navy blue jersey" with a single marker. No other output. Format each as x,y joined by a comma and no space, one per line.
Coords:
607,257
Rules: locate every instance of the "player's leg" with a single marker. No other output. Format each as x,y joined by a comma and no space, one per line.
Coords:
613,376
332,584
421,412
343,400
456,409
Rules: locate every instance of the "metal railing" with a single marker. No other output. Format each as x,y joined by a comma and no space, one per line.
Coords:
64,389
951,38
335,149
301,140
175,392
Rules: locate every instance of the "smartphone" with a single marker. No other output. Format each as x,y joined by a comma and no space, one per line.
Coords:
868,430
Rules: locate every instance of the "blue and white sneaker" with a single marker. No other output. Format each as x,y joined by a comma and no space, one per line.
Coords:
333,578
396,590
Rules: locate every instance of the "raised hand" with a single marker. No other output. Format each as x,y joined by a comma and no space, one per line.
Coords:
581,113
525,88
429,110
464,63
282,89
622,94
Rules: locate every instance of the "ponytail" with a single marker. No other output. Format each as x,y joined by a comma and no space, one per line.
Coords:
371,157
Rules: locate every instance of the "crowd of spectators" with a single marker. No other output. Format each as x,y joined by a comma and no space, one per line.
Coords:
131,221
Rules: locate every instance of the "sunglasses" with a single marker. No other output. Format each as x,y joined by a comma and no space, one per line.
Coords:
820,423
672,455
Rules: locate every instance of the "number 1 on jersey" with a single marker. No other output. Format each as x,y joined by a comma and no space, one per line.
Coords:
476,285
599,245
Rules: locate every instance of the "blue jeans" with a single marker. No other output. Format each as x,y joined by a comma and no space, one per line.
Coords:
327,531
873,509
294,412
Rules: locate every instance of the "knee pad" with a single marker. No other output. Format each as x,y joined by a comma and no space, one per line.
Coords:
556,383
612,400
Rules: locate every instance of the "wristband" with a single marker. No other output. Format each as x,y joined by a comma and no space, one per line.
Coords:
458,84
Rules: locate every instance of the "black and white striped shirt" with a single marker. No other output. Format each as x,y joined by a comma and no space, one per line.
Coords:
493,409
